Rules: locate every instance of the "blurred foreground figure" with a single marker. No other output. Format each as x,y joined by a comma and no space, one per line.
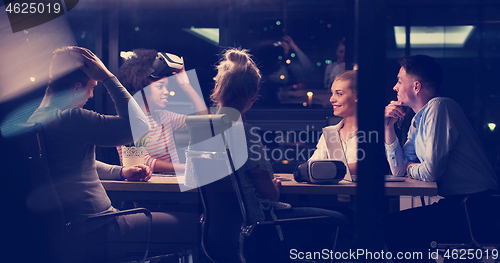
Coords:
71,134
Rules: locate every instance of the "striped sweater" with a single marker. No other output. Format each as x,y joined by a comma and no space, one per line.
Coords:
160,143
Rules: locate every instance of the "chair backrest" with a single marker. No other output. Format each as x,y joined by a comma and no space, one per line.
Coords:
43,192
42,200
24,232
482,216
224,213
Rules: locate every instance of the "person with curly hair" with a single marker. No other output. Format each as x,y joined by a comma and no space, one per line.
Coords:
135,74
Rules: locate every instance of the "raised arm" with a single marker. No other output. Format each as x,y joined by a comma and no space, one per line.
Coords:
394,153
304,60
130,122
393,112
198,102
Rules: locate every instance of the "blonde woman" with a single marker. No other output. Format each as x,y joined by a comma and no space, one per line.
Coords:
237,86
344,100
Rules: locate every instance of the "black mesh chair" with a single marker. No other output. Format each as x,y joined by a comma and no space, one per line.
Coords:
227,235
483,231
65,242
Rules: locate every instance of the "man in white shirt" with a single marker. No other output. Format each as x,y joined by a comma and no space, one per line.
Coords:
441,147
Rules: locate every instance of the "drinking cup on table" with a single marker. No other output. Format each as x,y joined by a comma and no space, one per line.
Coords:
133,155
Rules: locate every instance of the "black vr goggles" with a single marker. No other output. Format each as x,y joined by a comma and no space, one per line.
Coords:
165,64
320,172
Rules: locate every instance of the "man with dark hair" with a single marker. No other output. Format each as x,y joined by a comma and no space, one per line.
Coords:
441,147
71,134
426,69
69,88
64,71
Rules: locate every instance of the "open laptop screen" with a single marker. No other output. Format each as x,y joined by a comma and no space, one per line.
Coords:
336,149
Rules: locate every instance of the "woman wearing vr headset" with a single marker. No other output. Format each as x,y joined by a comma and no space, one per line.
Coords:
146,75
237,87
344,100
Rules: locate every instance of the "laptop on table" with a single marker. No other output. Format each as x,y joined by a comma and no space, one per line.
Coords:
336,152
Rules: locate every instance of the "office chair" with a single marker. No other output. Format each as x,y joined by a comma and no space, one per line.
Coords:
483,230
65,244
227,235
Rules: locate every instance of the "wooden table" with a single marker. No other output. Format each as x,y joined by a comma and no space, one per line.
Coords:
409,187
157,183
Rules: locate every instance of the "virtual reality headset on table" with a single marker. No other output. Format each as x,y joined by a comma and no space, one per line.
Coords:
320,172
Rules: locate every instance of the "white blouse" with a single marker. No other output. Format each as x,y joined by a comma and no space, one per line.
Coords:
350,146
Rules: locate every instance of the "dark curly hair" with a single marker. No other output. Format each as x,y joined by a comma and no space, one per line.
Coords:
134,73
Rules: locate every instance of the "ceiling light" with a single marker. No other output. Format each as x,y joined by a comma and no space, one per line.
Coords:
210,35
492,126
433,37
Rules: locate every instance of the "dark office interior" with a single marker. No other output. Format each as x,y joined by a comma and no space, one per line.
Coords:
463,36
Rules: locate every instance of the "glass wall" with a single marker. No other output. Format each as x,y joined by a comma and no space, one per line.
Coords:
295,43
464,38
296,46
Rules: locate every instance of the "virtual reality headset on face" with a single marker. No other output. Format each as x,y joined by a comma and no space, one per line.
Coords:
165,64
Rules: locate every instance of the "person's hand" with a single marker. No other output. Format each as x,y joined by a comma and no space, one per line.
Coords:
292,44
277,184
137,172
181,77
91,64
408,165
393,112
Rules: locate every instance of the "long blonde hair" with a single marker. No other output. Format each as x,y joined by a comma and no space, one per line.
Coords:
237,80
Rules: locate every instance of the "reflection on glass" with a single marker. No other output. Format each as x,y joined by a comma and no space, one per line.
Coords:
433,36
